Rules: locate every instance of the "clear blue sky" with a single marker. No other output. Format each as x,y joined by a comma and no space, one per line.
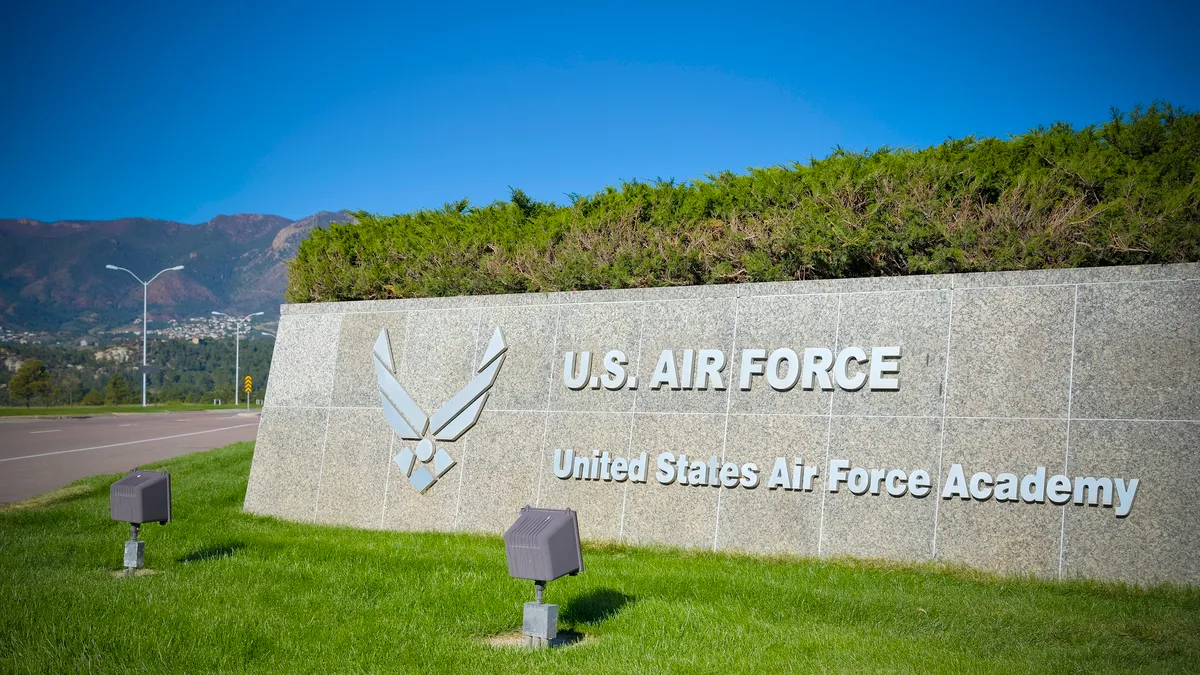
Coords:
186,110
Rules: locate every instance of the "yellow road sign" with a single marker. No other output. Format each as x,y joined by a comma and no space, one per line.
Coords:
249,384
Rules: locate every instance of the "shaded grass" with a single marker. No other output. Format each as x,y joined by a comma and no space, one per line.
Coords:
65,411
243,593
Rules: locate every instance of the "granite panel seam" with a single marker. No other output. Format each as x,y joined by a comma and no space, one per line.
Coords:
337,343
1129,419
775,414
466,451
321,470
1082,283
387,478
632,421
728,401
537,500
837,327
1062,526
950,286
937,504
392,447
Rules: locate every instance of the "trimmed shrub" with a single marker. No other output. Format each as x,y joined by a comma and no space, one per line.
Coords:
1125,192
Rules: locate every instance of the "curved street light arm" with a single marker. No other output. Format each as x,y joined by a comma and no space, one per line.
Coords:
139,279
169,269
145,314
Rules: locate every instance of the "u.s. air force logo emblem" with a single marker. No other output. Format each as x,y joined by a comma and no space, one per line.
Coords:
448,424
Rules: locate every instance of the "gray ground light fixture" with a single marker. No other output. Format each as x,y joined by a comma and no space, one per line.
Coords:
542,546
140,497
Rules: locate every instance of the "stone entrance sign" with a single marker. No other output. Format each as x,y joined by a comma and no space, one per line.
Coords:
1037,423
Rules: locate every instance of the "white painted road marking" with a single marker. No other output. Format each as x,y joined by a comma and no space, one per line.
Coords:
125,425
114,445
47,431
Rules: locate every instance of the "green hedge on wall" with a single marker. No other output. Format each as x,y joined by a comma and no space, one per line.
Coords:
1125,192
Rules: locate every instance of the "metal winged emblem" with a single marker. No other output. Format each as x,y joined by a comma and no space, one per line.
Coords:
448,424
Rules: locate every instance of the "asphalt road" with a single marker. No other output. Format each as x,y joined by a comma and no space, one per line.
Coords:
39,455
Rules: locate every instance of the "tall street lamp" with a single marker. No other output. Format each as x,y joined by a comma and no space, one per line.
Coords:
237,358
145,316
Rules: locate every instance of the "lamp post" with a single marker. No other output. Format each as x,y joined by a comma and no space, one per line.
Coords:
237,358
145,316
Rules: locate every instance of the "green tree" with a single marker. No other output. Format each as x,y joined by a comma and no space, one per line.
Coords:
117,391
188,369
93,397
32,379
69,385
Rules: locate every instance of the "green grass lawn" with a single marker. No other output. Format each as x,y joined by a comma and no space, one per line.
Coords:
243,593
12,411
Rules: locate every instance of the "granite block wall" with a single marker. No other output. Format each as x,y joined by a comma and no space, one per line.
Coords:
1088,373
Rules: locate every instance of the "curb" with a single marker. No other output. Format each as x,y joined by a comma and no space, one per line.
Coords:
18,418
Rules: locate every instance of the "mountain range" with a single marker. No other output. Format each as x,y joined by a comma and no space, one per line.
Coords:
53,276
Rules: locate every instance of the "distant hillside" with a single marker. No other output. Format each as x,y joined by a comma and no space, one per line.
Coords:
52,275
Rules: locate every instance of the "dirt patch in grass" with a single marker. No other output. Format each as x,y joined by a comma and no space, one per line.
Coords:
142,572
565,638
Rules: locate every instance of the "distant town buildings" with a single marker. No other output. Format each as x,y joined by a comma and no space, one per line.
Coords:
7,335
194,329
